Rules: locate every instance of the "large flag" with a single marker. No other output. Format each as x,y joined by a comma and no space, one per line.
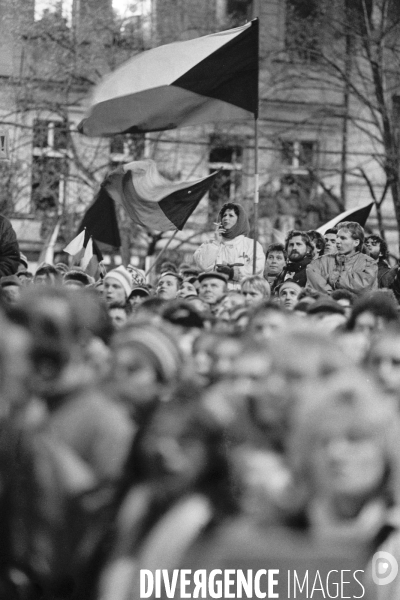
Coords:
359,214
153,201
208,79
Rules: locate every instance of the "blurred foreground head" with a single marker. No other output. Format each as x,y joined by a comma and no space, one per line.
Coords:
55,319
146,362
343,447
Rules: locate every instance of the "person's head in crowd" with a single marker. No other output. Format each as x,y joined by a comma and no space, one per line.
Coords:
150,309
168,285
201,351
373,312
222,321
187,270
308,295
183,315
138,295
234,221
181,452
55,320
46,275
25,277
147,360
345,298
168,267
330,236
384,360
301,308
200,305
232,299
298,246
224,351
239,319
319,242
350,238
266,321
117,285
62,268
23,263
77,279
302,354
275,259
288,293
187,288
327,314
213,287
119,314
377,247
11,288
255,289
343,462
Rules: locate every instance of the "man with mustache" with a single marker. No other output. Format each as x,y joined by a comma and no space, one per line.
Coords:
299,249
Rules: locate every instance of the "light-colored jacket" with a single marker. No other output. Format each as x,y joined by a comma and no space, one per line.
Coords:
356,273
238,250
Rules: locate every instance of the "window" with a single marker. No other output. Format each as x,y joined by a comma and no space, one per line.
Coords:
52,135
49,163
227,158
298,155
47,174
302,29
239,11
126,148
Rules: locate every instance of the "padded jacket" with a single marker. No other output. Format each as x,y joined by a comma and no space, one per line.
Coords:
356,273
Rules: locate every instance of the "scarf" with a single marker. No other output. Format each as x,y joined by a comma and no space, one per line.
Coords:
241,226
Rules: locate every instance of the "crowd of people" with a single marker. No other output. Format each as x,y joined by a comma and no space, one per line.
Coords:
227,415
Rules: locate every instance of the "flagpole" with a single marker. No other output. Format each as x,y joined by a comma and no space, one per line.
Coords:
256,194
161,253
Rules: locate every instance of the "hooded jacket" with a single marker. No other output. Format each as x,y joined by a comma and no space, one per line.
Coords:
235,247
356,273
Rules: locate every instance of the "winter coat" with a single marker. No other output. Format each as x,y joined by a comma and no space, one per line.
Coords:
356,273
238,250
9,250
295,271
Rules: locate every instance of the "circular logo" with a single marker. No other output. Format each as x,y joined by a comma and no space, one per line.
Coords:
384,568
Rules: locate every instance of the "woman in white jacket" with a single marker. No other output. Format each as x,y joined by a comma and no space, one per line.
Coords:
231,252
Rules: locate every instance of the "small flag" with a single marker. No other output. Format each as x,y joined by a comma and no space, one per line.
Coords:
153,201
87,257
76,245
359,214
208,79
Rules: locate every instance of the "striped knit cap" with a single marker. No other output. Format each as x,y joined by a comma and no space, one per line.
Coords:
158,344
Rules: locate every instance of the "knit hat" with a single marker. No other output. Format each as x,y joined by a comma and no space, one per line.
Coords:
137,275
158,344
241,227
140,290
123,277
